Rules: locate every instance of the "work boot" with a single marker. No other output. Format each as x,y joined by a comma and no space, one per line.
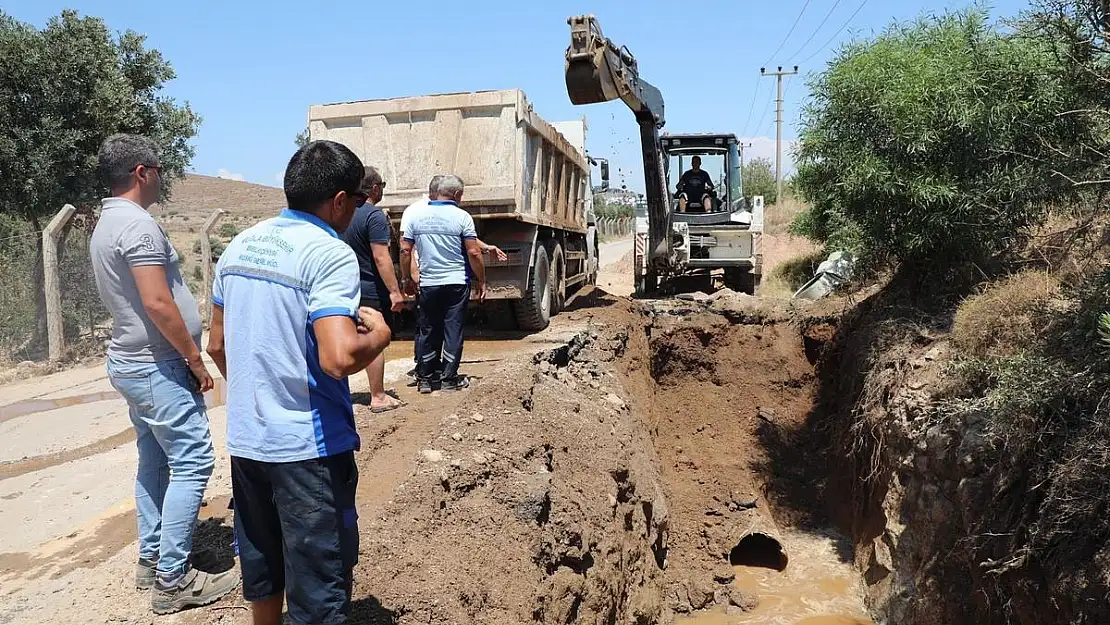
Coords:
456,383
144,573
196,588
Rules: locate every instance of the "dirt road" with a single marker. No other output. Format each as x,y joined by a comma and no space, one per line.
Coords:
67,463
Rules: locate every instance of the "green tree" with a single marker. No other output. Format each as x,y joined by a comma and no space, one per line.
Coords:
932,141
301,139
603,208
759,179
63,90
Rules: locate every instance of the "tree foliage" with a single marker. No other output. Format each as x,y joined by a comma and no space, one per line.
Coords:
301,139
63,90
759,179
935,140
606,209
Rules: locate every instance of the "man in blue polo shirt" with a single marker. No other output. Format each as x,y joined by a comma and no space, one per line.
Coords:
286,332
444,236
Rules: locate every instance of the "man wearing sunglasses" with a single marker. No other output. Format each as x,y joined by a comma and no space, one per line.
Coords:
369,236
154,361
287,330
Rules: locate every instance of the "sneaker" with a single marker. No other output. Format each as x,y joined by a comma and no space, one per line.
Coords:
457,383
424,386
195,589
144,574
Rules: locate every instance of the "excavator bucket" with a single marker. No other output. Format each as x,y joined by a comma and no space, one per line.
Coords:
589,74
597,70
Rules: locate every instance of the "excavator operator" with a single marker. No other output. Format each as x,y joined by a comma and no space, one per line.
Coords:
695,183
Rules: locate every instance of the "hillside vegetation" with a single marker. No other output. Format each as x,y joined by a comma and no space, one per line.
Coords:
965,163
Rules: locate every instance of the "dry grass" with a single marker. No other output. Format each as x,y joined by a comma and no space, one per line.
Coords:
778,217
1006,316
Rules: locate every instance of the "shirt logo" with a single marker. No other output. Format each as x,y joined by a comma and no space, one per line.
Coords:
146,243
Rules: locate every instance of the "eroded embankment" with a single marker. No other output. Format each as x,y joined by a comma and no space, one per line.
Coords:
951,516
615,480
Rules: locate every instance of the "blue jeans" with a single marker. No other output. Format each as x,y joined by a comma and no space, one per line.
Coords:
175,456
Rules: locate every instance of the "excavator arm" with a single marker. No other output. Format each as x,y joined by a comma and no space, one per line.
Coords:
598,71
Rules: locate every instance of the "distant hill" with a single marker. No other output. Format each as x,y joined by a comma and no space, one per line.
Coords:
195,198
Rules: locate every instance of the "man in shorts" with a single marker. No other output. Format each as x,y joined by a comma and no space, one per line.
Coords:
369,237
286,332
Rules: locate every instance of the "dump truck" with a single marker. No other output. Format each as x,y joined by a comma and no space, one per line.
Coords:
528,183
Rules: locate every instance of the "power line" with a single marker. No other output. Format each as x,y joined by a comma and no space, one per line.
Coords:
788,33
766,107
815,31
838,31
755,95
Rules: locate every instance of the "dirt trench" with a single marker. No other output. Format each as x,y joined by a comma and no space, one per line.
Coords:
609,480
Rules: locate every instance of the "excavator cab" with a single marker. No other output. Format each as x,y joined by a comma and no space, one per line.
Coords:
719,158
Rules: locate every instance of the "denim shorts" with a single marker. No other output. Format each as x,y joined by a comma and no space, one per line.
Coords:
297,533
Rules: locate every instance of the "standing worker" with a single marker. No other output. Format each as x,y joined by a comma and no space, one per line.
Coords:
444,236
286,332
154,361
369,237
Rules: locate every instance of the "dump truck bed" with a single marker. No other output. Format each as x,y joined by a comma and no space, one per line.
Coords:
515,165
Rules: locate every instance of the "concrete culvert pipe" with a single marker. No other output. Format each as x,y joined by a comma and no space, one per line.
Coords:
759,549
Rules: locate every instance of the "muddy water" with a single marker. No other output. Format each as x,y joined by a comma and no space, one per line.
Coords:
817,588
32,406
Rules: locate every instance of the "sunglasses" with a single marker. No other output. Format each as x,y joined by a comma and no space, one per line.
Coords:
157,168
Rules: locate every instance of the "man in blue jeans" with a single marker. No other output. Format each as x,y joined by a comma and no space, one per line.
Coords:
287,330
154,361
445,239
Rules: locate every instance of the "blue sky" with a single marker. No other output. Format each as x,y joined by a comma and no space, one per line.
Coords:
251,68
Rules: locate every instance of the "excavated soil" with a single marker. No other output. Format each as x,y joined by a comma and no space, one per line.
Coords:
723,390
606,480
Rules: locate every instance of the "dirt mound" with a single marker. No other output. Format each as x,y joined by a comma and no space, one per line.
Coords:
539,500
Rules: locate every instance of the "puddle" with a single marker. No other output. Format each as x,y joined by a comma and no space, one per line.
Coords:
33,406
215,397
817,588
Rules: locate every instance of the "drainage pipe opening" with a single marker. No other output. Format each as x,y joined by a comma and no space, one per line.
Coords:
759,550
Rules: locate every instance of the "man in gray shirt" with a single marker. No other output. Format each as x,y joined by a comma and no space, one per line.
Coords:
154,361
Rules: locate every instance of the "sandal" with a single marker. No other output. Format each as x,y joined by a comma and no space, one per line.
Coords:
380,409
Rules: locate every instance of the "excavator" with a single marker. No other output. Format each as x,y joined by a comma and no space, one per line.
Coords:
717,232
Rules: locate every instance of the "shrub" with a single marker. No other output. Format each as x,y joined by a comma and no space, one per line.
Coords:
927,144
215,244
228,230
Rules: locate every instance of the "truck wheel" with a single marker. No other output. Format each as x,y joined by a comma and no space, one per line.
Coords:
558,280
533,311
593,252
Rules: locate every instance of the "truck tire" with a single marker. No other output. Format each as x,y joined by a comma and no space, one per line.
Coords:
558,280
533,311
593,253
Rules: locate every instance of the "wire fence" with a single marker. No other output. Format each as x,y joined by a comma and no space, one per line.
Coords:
87,323
20,291
614,227
23,329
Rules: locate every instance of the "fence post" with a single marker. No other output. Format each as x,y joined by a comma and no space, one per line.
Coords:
206,261
55,326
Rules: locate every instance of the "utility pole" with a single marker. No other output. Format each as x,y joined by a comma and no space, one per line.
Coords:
778,126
